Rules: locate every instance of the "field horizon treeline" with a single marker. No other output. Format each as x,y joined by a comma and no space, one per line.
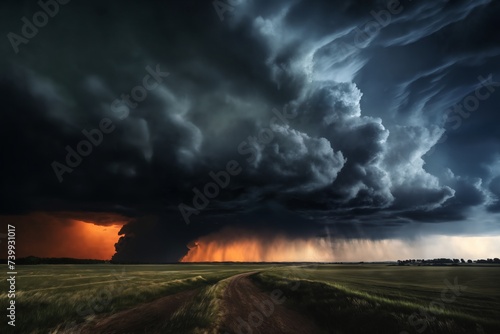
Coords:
357,298
33,260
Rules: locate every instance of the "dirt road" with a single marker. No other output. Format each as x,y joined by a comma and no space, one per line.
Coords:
248,310
145,318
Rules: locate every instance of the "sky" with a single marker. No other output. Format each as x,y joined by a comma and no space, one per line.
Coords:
245,130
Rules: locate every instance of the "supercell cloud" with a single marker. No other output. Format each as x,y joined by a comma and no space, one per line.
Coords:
280,121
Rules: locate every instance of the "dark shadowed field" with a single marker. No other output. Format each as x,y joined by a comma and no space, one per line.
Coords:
250,298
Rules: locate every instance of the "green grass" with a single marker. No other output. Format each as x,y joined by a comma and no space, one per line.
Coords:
339,298
384,299
200,315
47,295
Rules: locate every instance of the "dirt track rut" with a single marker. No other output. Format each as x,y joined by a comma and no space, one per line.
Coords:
248,310
153,316
245,308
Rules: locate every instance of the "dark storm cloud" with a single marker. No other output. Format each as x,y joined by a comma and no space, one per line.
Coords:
494,187
361,153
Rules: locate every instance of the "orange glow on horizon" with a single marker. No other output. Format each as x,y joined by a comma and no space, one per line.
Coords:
88,236
239,246
256,249
97,241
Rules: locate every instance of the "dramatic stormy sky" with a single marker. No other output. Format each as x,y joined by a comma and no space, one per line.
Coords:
336,130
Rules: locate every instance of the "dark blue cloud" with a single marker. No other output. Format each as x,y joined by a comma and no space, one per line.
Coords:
393,125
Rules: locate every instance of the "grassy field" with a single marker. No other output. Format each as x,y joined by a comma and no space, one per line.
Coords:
340,298
47,295
392,299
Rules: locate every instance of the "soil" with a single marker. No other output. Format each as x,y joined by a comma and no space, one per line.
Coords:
248,310
145,318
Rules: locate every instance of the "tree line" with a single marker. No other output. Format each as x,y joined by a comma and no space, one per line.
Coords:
445,261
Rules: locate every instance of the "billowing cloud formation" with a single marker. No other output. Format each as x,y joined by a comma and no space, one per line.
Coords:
349,114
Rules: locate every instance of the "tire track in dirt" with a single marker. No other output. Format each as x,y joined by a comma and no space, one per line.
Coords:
248,310
245,308
149,317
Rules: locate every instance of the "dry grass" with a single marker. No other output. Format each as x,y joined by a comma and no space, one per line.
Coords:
62,296
350,307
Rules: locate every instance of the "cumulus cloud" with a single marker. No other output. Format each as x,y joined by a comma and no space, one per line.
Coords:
364,146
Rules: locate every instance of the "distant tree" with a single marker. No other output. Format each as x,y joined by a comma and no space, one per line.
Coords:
462,260
29,260
469,261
